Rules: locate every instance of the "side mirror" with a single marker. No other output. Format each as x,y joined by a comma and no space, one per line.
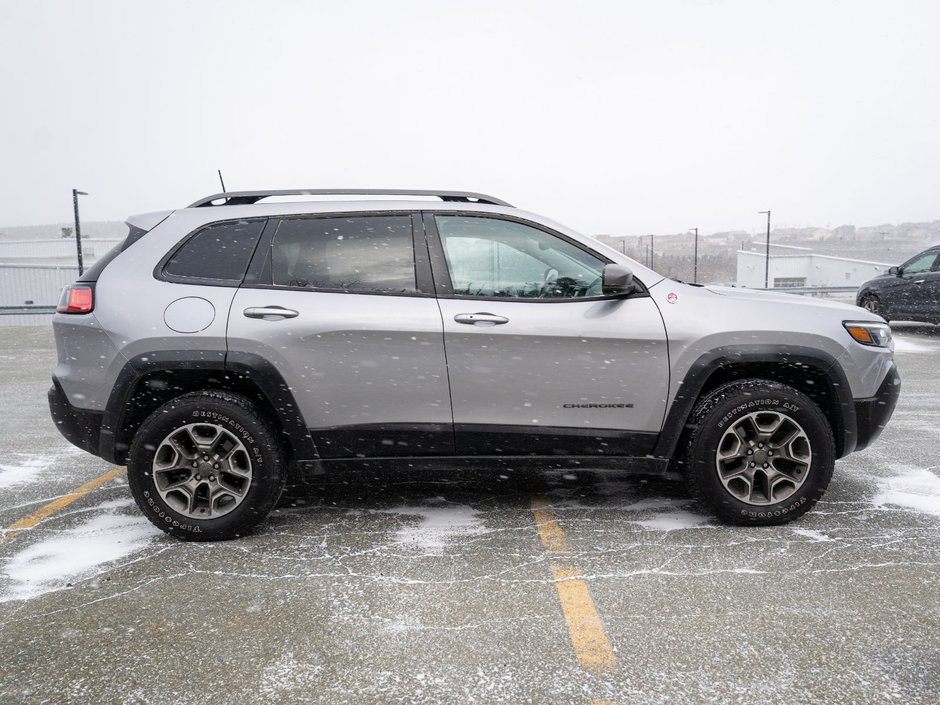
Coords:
617,280
896,271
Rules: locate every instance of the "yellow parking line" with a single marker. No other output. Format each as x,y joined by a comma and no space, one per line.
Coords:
585,628
47,510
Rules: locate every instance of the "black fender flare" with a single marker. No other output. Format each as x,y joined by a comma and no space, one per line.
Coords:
798,356
233,370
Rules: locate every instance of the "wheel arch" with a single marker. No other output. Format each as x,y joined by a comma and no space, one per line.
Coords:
813,372
869,293
148,381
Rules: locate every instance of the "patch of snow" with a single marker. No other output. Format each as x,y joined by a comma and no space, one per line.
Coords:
75,553
670,521
438,526
287,674
914,488
812,534
24,471
656,503
907,346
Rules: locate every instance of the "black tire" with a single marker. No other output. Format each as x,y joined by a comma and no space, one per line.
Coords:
723,417
242,432
872,304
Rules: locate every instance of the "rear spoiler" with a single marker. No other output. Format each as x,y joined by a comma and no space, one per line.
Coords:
147,221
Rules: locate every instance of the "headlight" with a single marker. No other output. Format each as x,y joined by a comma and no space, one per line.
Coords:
877,335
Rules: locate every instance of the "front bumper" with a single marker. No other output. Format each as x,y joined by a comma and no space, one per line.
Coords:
873,414
81,427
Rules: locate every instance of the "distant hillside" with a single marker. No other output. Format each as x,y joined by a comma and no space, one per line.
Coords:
100,228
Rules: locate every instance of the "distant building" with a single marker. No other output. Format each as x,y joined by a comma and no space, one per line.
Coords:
801,267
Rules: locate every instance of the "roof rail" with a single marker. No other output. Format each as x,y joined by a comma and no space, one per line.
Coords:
240,198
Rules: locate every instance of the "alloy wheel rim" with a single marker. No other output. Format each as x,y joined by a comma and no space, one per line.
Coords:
202,470
763,458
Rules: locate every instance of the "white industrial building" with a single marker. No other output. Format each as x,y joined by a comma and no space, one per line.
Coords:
34,272
801,267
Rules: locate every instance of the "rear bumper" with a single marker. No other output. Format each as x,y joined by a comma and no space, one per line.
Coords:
873,414
80,427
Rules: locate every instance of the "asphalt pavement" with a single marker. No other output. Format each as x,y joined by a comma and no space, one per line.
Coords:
564,586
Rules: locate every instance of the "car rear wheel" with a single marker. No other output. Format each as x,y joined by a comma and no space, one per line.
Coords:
760,453
205,467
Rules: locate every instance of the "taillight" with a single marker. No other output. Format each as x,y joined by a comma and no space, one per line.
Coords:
78,298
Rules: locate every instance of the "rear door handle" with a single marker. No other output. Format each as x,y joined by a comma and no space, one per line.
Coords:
920,281
485,319
270,313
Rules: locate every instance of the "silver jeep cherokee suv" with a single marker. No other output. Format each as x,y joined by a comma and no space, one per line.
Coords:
222,344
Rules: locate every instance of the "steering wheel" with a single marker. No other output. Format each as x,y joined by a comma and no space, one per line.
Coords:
551,277
589,289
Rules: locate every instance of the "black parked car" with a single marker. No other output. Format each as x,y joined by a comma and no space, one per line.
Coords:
910,292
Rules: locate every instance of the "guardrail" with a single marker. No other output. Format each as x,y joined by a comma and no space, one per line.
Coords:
815,289
25,310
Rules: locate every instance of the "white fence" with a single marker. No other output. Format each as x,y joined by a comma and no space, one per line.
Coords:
61,249
34,284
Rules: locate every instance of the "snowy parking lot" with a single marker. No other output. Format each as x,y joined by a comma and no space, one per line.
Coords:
561,586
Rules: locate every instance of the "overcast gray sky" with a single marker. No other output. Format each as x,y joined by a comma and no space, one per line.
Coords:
612,117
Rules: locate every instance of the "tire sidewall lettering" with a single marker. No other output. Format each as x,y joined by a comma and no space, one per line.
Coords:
752,514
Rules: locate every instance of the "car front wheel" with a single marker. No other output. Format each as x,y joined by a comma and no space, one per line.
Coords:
872,304
760,453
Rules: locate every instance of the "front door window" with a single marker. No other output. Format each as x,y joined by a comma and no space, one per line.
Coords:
491,257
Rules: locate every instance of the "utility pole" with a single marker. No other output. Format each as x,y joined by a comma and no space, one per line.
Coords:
695,259
651,250
767,255
78,229
623,246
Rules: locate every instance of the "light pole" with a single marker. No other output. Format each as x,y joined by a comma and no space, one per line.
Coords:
78,229
767,255
695,259
651,250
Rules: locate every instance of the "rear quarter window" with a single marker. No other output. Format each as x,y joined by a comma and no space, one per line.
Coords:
216,254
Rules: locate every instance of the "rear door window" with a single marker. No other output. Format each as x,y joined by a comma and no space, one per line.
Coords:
364,254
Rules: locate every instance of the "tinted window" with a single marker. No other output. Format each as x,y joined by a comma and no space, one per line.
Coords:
220,252
501,258
921,263
369,253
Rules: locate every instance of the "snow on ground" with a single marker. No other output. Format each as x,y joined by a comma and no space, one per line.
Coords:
23,470
903,345
438,526
75,553
812,534
913,488
672,520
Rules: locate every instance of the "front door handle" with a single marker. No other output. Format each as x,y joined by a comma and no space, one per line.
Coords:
484,319
270,313
920,281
